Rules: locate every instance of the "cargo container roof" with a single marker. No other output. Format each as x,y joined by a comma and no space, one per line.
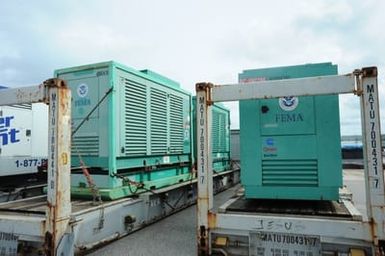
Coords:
292,66
160,77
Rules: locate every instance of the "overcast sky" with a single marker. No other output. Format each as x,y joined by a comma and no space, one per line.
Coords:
192,41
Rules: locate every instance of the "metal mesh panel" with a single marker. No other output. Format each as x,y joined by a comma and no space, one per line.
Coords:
135,118
290,173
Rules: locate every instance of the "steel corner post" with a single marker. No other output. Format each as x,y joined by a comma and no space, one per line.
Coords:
204,165
112,129
374,175
59,163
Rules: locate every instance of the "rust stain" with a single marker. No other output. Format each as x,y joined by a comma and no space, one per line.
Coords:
203,246
64,158
200,86
63,99
373,226
369,72
43,227
48,244
212,219
358,92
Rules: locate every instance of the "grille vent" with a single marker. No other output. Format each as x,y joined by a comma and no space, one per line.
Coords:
85,145
158,121
135,118
176,124
295,173
219,132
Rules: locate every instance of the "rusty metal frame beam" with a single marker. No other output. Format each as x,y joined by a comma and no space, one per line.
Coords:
360,82
31,94
280,88
57,94
59,165
204,172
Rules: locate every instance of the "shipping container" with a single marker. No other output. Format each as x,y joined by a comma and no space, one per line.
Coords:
23,139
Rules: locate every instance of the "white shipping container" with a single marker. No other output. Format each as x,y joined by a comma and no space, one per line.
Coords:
23,138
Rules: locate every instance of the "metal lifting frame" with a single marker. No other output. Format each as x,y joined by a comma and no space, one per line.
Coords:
55,93
362,83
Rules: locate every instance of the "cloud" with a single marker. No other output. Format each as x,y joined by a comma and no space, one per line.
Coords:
190,41
316,31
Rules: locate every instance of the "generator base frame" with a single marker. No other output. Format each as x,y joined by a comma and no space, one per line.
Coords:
128,189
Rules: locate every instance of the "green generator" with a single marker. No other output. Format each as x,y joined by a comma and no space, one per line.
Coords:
220,136
290,147
139,133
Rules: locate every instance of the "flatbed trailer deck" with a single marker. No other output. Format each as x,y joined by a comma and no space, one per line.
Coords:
288,227
92,224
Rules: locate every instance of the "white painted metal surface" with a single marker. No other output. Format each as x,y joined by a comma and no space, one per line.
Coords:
280,88
204,175
59,164
15,131
39,129
31,94
23,138
58,95
31,227
295,225
374,175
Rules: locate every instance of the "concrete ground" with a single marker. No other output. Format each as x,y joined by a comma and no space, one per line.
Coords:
176,234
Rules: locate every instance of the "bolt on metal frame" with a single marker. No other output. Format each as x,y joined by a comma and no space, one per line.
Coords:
362,83
55,93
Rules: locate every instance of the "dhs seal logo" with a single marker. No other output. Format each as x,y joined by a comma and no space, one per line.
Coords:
82,90
288,103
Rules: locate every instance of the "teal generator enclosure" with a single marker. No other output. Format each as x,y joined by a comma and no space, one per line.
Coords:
220,134
138,135
290,147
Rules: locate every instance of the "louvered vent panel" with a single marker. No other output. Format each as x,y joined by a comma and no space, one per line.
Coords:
85,146
135,118
222,132
176,124
158,121
226,131
215,132
295,173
